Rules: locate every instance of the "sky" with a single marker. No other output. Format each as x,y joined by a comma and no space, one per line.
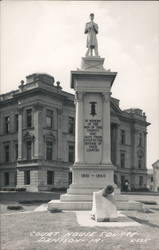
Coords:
48,37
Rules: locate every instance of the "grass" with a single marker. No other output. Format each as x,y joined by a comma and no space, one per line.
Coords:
60,231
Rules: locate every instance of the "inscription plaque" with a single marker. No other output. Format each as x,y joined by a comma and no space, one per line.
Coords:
93,135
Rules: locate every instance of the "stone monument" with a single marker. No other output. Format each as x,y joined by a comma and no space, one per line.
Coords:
93,168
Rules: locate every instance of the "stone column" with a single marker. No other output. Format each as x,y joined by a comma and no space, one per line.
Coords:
145,149
106,159
136,131
20,133
79,128
59,135
37,153
113,143
117,143
11,125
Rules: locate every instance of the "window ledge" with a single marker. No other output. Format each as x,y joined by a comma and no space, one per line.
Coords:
28,128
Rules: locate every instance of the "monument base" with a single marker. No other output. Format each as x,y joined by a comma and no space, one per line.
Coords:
88,179
93,63
87,205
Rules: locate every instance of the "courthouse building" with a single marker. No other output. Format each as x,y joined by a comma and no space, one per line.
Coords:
37,138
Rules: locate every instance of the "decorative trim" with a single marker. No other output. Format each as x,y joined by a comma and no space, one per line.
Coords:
38,106
106,96
140,153
27,136
78,96
50,136
20,110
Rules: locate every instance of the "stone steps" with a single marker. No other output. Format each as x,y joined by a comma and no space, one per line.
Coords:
87,205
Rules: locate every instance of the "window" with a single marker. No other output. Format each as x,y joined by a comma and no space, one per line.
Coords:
27,177
151,178
6,179
15,179
71,153
122,159
16,122
16,151
7,124
28,150
6,153
49,119
122,136
49,149
71,125
69,178
50,177
140,140
140,180
122,179
29,118
139,163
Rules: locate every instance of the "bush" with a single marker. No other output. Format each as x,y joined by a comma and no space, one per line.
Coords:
13,189
8,189
142,190
20,189
55,210
62,189
14,207
33,201
147,210
149,202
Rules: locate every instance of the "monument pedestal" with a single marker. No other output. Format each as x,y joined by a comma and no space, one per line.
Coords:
95,64
88,178
92,169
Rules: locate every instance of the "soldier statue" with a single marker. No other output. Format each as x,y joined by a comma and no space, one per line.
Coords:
91,30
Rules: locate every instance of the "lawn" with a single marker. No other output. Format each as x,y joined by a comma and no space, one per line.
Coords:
52,231
29,230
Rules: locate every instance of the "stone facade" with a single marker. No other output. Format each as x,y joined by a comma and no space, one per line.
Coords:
37,138
155,166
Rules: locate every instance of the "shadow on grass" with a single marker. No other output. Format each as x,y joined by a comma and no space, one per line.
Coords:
154,208
148,202
144,222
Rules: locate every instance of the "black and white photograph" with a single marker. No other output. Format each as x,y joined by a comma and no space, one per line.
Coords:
79,125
